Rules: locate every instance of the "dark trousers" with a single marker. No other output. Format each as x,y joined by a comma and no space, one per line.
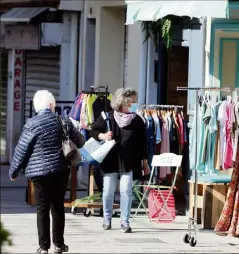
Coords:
50,192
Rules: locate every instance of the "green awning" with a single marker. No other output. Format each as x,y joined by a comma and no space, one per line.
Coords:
154,10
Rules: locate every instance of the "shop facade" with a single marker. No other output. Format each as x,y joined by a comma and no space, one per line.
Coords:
38,46
224,50
162,70
104,56
3,96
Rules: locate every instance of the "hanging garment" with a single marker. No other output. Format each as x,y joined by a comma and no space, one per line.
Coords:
217,165
228,161
181,128
99,106
165,146
228,222
158,138
201,131
206,120
192,142
211,140
174,142
76,108
222,118
150,137
90,114
83,116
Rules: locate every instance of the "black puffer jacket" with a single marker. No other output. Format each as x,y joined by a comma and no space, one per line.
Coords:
38,151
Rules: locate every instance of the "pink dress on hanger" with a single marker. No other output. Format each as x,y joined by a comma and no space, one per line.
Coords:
165,147
228,156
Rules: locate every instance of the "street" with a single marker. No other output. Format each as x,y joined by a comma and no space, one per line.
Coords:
85,235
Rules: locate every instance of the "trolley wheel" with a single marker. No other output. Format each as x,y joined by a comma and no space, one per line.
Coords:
101,212
186,238
87,213
193,242
115,214
74,210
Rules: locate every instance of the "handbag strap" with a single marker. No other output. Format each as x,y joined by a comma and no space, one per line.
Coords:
66,135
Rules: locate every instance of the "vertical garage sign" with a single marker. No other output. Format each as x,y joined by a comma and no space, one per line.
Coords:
18,80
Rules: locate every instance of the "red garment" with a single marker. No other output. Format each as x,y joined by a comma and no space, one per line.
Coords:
228,162
181,129
229,219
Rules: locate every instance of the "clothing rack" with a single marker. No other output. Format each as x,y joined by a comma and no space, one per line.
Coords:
91,206
189,238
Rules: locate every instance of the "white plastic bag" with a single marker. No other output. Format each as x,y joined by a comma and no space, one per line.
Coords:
94,152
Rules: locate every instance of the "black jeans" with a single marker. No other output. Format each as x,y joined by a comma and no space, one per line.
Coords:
50,192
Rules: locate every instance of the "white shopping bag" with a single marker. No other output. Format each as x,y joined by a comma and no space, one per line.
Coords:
94,152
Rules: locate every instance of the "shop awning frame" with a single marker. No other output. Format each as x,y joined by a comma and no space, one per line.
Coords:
154,10
22,14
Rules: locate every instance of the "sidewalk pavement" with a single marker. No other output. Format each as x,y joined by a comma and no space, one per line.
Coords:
85,235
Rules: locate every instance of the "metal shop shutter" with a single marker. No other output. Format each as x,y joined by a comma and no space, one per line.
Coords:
3,101
42,70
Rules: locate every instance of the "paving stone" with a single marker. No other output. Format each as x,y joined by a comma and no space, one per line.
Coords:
85,235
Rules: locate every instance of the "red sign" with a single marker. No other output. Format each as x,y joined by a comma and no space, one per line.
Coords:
18,76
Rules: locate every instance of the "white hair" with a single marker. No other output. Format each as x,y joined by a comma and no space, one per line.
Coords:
43,99
121,98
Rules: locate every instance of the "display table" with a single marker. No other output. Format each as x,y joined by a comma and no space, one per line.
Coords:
210,201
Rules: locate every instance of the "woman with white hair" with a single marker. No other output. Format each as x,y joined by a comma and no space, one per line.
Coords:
128,158
39,154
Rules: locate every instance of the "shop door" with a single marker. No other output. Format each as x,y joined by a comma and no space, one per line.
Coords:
42,72
3,103
229,63
177,75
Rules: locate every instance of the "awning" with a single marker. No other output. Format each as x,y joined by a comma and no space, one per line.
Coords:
22,15
154,10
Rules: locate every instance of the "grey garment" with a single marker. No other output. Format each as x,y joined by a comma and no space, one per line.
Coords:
206,119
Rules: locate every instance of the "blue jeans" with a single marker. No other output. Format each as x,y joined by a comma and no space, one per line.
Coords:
126,185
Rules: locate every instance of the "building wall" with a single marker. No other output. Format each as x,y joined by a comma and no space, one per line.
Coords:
134,55
214,75
105,23
69,55
109,54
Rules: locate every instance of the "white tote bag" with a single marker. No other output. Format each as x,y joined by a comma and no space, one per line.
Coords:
94,152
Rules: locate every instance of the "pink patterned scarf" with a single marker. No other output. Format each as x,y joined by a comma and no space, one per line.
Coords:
123,119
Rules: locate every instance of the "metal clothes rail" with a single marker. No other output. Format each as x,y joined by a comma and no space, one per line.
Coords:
159,106
192,223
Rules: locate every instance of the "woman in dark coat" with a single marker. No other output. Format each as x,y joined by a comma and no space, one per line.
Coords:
128,158
39,154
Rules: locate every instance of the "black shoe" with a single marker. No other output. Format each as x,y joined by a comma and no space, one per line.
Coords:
107,225
126,228
42,251
63,248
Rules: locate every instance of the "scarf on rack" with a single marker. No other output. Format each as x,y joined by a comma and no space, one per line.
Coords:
123,119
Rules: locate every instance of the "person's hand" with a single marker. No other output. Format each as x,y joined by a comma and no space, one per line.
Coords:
106,136
146,168
13,179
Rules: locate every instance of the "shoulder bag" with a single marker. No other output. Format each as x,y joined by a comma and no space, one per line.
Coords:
69,148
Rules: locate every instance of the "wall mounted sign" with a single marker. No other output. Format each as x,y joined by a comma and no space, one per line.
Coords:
26,36
18,80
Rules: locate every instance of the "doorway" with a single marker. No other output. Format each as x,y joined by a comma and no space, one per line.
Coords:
177,75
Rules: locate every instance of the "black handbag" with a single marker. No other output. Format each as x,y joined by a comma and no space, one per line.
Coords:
69,148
